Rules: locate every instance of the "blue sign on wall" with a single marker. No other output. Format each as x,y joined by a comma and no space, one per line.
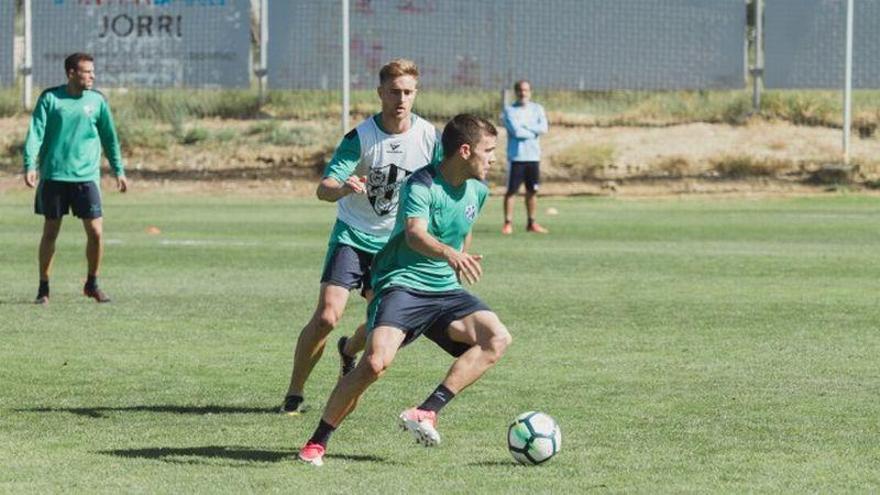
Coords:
145,43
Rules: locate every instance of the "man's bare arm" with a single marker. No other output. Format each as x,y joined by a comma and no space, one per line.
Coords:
466,266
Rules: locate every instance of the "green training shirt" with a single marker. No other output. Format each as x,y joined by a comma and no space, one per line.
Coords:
450,213
66,136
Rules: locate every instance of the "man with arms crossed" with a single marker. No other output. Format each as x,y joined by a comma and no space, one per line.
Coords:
69,126
363,178
525,121
417,282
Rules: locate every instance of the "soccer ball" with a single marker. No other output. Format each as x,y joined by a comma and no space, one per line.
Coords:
533,438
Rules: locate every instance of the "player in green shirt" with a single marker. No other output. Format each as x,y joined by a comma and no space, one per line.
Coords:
416,278
69,126
363,178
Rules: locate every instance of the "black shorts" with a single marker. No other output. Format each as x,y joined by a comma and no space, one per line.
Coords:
55,199
347,267
428,313
519,172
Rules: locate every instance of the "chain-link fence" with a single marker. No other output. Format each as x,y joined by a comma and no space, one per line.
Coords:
564,44
805,42
7,27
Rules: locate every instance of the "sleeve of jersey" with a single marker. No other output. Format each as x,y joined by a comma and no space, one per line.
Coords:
482,195
345,159
437,155
110,140
35,134
540,121
417,203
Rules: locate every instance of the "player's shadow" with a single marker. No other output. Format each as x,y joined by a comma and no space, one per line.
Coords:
504,464
101,412
211,453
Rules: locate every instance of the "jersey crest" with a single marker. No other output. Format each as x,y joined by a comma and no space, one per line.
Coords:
470,212
383,185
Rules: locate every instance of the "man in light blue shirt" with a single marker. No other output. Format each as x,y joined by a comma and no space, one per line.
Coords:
525,122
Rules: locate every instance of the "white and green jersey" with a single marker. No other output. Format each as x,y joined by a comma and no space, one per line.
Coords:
387,160
450,213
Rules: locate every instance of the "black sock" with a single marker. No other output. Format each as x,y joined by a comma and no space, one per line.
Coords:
438,398
44,288
322,433
531,221
92,281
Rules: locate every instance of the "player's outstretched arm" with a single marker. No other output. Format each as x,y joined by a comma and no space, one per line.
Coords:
330,189
466,265
339,178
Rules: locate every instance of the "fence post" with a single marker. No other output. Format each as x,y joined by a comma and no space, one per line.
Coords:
262,70
346,69
847,87
758,69
27,67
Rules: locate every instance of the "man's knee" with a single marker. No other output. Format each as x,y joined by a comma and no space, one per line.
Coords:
50,236
51,229
326,319
372,367
94,231
497,343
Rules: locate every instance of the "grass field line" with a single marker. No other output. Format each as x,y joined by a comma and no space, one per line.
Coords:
205,242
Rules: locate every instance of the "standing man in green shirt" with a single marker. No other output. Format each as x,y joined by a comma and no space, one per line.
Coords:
69,126
416,278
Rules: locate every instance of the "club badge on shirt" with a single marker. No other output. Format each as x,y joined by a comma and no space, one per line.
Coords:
470,212
383,184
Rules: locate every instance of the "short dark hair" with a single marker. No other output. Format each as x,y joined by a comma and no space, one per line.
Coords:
72,61
465,128
518,85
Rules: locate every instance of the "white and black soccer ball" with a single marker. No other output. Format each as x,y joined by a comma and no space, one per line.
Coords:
533,438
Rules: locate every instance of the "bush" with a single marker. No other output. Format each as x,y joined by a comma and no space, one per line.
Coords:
740,167
10,102
141,134
585,160
194,135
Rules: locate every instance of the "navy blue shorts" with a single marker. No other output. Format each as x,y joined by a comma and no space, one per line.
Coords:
55,199
428,313
347,267
519,172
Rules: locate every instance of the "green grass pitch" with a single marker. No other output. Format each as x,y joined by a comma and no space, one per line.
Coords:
684,345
